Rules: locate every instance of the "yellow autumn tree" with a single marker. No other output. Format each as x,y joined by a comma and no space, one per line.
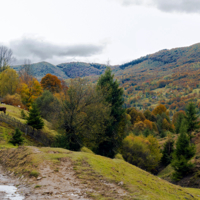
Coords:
8,82
29,92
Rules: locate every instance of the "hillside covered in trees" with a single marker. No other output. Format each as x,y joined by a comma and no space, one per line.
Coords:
170,77
65,70
107,118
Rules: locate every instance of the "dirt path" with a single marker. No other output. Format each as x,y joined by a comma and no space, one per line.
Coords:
8,189
62,181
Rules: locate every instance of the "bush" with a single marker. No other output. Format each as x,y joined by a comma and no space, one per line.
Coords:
86,150
17,138
142,152
14,100
23,115
119,156
35,174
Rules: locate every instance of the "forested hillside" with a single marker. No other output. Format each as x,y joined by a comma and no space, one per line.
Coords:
170,77
65,70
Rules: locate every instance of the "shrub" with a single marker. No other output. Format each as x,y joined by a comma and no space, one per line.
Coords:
35,173
86,150
142,152
23,115
17,138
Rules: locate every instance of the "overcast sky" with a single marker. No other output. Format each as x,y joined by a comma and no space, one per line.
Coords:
59,31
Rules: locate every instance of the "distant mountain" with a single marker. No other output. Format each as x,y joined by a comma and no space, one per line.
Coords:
170,77
42,68
80,69
65,70
164,61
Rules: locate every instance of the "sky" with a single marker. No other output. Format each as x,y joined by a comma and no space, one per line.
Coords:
96,31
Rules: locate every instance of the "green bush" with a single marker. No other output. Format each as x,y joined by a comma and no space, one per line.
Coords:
86,150
17,138
35,174
142,152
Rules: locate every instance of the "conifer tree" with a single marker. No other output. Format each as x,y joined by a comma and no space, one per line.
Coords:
167,151
191,118
114,133
178,122
17,138
183,153
34,119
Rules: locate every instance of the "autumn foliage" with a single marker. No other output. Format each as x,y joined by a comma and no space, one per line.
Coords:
52,83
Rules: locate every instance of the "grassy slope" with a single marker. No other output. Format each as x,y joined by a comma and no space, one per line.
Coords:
16,113
89,168
6,132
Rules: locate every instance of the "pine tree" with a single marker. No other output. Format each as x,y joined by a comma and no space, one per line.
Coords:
178,122
167,151
191,117
17,138
114,133
183,153
34,119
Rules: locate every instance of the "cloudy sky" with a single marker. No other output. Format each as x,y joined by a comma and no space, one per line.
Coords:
60,31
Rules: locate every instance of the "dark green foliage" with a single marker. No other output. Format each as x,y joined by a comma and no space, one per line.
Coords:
48,105
146,132
183,153
34,119
84,115
17,138
114,133
191,118
167,152
182,167
178,122
23,114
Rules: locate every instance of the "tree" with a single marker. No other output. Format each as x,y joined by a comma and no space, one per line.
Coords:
17,138
178,121
29,92
8,82
142,152
191,119
51,82
48,105
84,116
182,154
26,72
5,57
159,110
114,133
34,119
167,151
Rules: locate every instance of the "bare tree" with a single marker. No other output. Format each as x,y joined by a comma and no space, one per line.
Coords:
26,71
6,56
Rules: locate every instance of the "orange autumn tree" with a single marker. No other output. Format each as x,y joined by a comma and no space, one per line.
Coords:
159,110
52,83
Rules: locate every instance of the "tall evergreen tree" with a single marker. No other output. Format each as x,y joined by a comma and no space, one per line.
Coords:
34,119
167,151
114,133
178,122
191,117
183,153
